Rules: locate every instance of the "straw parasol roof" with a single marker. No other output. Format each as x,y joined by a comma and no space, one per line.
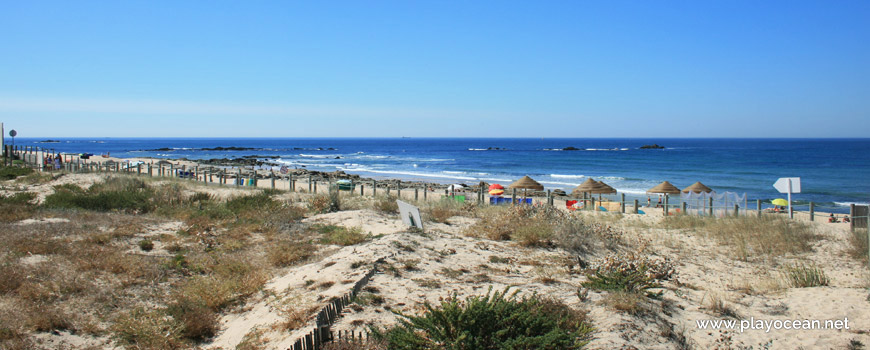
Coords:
527,183
697,187
605,188
559,193
592,186
664,187
586,186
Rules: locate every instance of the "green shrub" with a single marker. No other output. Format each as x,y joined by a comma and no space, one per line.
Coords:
117,193
496,321
11,172
21,198
146,245
628,272
16,207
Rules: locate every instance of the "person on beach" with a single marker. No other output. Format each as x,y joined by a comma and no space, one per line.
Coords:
846,218
57,162
832,218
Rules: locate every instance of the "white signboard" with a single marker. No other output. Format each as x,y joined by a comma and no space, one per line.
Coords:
410,214
788,185
782,185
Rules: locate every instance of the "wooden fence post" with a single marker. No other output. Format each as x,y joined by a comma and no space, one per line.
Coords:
711,206
812,211
635,206
758,208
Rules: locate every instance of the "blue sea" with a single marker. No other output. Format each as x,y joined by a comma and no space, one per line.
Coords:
833,172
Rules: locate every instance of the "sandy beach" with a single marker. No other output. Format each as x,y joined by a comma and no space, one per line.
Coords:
713,281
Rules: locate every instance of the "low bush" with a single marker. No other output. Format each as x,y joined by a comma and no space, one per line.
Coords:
142,328
628,272
386,204
11,172
146,245
498,320
17,207
197,321
116,193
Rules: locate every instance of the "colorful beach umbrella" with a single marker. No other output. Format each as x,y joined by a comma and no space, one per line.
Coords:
496,192
780,202
496,187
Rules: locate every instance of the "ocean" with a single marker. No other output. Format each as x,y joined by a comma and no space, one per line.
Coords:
833,172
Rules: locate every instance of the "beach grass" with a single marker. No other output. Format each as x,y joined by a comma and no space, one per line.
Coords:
166,295
750,236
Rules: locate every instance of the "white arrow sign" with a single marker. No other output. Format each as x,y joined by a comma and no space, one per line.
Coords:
788,185
782,185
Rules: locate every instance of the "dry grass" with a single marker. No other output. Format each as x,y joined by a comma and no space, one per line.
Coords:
805,276
627,302
858,242
340,235
94,263
750,236
445,209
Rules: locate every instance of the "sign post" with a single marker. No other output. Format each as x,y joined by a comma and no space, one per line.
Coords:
410,215
788,185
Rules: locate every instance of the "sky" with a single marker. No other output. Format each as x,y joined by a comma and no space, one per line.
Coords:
435,68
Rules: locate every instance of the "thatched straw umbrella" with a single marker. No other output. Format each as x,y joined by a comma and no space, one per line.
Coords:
697,187
586,187
664,188
559,193
527,183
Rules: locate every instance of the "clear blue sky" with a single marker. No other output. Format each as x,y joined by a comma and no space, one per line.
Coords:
436,68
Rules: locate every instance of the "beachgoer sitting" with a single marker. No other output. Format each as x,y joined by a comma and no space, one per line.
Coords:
846,218
832,218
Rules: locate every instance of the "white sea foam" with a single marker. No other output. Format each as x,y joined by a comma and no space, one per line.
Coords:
846,204
561,176
477,149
